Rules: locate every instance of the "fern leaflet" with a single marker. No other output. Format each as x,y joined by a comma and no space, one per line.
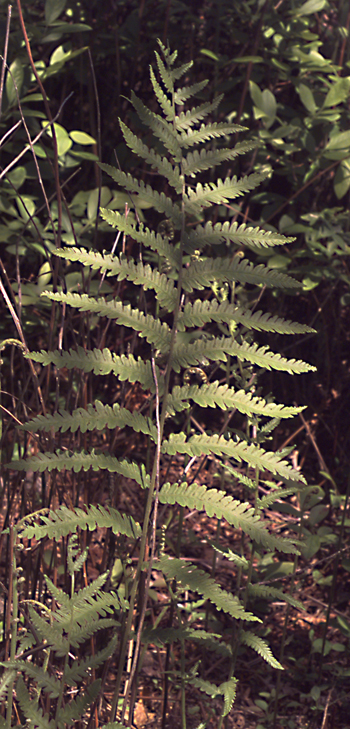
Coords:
217,503
191,578
97,416
64,521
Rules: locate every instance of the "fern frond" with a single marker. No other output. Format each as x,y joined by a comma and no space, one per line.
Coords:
229,689
191,578
266,322
62,636
209,641
161,164
64,521
201,274
274,495
166,74
208,688
160,636
218,503
42,678
77,707
81,460
231,556
30,709
86,598
198,445
91,603
263,357
186,119
176,73
159,201
202,350
78,669
6,680
207,132
6,683
241,477
143,275
186,92
219,192
140,274
198,352
79,634
160,128
261,647
213,234
95,417
153,330
214,395
273,593
206,159
143,235
163,100
101,362
200,312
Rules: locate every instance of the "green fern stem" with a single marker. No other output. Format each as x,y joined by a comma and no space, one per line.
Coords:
151,493
66,659
235,637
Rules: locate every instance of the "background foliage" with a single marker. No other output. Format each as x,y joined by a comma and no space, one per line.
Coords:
284,73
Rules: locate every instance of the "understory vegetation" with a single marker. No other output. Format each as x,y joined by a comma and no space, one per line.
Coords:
174,363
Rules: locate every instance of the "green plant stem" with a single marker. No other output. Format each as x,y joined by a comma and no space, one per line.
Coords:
66,658
12,598
149,501
235,638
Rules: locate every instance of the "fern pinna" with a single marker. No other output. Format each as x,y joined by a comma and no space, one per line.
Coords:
194,354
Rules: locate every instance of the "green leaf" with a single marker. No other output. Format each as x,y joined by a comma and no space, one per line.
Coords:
338,92
53,9
311,6
96,196
64,142
81,137
44,275
341,181
307,98
14,80
265,103
17,176
209,54
338,146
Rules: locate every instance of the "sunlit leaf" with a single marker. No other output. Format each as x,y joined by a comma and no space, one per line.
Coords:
81,138
14,81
